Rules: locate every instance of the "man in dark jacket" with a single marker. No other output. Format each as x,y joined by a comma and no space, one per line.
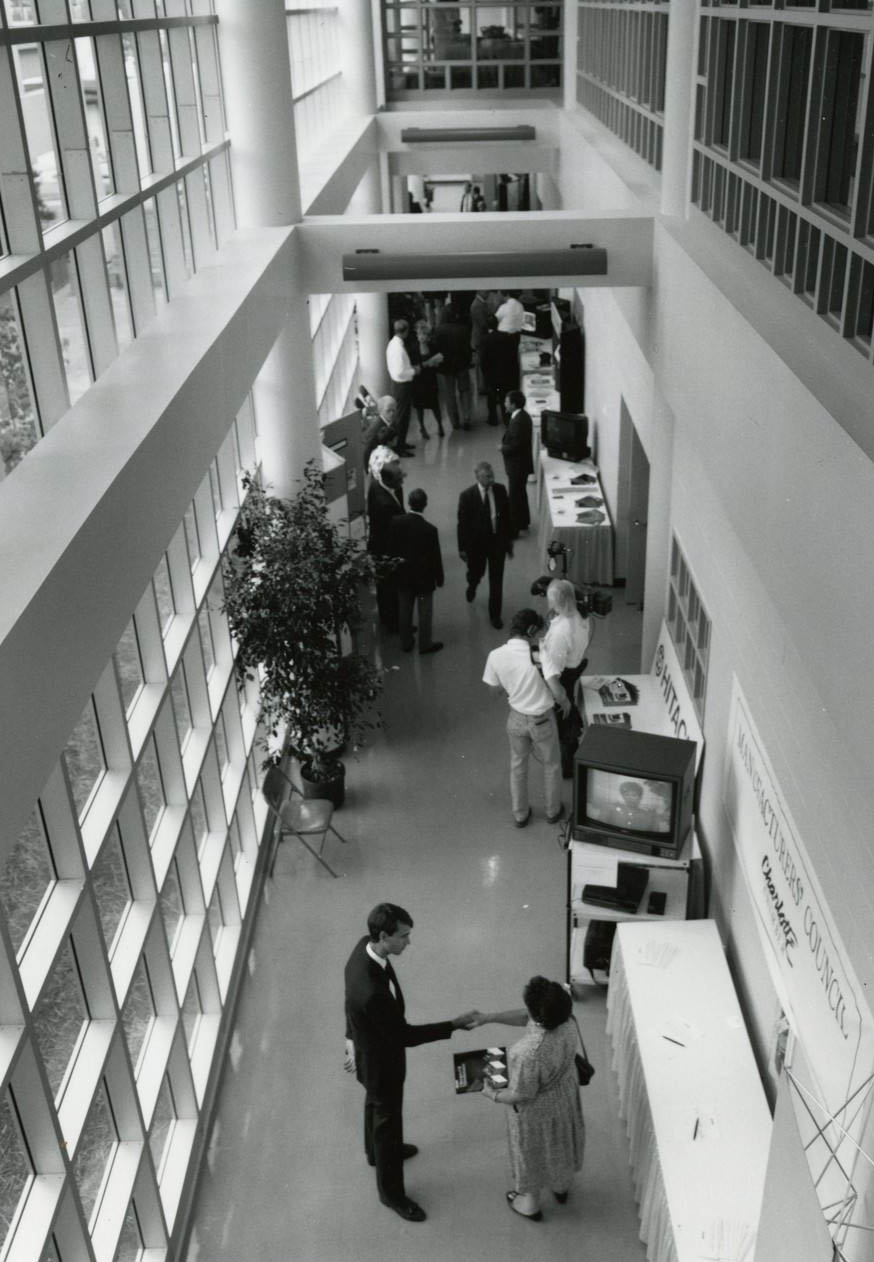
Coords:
452,340
377,1036
518,460
417,543
484,536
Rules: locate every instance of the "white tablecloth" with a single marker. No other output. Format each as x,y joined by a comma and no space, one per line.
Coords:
698,1122
591,559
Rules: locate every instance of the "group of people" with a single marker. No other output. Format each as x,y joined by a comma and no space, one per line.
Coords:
545,1129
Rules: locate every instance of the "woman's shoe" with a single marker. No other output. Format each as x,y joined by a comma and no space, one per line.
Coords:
532,1218
440,430
561,1197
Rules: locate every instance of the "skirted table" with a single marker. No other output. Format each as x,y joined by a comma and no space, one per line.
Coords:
698,1123
590,542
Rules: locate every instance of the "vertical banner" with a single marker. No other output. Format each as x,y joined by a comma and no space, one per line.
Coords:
802,944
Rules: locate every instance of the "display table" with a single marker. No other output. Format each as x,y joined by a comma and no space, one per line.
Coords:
537,383
591,555
697,1119
651,713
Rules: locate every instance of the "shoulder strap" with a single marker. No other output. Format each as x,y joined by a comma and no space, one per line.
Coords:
580,1037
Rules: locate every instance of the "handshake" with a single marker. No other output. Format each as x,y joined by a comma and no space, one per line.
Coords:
470,1020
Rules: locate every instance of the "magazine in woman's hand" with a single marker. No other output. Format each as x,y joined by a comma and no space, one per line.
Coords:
486,1064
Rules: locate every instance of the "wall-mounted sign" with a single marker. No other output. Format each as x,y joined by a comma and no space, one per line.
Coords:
674,693
802,945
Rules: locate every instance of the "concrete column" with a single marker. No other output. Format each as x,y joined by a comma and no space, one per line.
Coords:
372,309
358,56
547,191
658,531
257,82
679,109
570,17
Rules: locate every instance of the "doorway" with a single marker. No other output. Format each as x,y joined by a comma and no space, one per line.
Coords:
633,502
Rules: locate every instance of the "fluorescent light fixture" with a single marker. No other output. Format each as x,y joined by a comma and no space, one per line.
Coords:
456,135
573,260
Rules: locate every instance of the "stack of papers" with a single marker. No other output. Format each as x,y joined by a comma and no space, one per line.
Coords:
657,954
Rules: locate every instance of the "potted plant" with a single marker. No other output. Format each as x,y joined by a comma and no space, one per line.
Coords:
292,598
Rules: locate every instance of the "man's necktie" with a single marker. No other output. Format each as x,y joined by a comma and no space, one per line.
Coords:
392,980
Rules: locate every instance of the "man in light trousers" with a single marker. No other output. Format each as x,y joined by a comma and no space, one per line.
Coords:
531,725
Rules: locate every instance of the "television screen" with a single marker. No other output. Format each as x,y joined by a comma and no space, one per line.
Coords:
564,434
641,806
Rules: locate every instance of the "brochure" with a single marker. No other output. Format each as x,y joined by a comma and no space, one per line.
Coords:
474,1068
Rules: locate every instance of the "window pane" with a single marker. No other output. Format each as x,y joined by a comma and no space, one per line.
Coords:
191,1011
40,135
150,787
93,107
18,427
60,1017
156,254
71,326
129,666
197,815
138,1012
221,745
185,223
15,1168
171,95
111,886
172,908
118,290
131,69
25,880
130,1244
96,1147
216,918
181,708
192,536
85,759
164,595
162,1124
206,640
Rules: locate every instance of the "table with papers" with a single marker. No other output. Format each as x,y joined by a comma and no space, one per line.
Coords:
698,1123
591,543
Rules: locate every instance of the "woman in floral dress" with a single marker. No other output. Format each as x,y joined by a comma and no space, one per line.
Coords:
545,1126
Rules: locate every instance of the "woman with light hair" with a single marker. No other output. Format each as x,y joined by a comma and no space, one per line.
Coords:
385,500
562,660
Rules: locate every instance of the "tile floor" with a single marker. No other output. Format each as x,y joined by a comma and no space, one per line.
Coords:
429,826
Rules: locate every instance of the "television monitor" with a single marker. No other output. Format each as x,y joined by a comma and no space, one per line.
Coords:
564,434
633,790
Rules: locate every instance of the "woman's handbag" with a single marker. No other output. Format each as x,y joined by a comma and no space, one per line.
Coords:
585,1068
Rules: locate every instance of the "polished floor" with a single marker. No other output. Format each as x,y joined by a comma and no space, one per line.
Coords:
428,823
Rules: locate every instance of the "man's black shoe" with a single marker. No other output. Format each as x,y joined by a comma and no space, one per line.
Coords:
407,1209
434,647
406,452
470,593
408,1150
497,624
553,819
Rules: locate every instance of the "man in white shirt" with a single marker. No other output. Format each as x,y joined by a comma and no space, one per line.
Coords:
531,726
511,319
402,371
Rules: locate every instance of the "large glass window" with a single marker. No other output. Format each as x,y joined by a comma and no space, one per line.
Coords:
792,94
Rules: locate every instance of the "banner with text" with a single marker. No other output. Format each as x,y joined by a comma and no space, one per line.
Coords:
674,693
802,945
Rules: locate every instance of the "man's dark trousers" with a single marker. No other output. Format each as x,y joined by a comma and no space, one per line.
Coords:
384,1140
403,397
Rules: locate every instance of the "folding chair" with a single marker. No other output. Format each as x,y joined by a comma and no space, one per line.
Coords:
305,818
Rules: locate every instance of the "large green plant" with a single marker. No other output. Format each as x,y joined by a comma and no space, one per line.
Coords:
292,590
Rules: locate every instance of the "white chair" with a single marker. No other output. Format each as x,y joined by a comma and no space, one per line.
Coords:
303,818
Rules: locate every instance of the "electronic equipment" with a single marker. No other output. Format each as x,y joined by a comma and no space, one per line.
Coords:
633,790
625,896
655,904
589,599
564,434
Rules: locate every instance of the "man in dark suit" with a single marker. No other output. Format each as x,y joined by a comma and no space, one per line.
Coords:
518,460
377,1036
484,536
417,543
499,364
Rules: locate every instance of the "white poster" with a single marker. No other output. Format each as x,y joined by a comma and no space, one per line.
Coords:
812,973
674,693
